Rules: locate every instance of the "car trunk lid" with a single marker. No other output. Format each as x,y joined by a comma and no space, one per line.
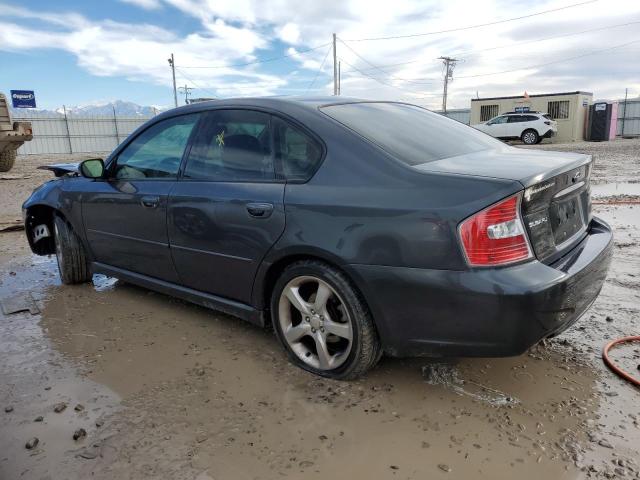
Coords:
557,211
556,205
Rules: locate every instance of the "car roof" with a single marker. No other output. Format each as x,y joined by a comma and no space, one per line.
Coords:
286,104
524,113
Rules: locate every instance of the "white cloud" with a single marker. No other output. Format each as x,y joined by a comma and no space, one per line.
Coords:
238,31
289,32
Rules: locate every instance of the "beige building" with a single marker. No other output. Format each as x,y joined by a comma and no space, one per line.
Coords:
569,109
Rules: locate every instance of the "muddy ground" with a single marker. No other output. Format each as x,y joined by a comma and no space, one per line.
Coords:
169,390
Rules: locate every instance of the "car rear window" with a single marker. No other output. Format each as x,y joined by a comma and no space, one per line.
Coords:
411,134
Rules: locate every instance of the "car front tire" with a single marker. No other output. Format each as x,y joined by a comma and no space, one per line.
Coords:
73,263
529,137
323,322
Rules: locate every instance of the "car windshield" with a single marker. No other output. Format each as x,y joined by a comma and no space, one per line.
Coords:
411,134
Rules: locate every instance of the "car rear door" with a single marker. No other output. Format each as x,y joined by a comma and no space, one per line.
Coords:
125,215
227,209
515,125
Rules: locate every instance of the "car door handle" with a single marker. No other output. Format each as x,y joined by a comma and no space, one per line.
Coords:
260,210
150,201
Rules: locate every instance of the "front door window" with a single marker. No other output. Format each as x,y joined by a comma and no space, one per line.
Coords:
157,152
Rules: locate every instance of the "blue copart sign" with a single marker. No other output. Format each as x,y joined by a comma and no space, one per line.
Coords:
23,99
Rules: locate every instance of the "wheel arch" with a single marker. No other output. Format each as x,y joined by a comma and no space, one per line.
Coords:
271,270
36,215
533,129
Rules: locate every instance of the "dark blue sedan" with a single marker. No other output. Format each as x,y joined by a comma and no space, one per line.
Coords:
355,228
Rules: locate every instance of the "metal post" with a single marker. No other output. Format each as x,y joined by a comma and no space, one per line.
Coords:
173,73
624,111
339,77
115,124
335,67
66,123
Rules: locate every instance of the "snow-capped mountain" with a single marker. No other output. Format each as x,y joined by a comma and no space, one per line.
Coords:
122,108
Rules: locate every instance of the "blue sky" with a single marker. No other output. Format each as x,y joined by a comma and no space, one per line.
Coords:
77,52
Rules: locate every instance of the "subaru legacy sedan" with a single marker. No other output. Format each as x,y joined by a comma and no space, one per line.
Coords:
354,228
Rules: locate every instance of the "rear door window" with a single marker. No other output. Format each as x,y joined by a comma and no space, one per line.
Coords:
411,134
297,153
232,146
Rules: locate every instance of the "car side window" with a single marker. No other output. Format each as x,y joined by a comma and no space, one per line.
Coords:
157,152
499,120
297,153
232,146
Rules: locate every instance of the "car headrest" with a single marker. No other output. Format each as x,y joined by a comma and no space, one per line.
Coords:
241,152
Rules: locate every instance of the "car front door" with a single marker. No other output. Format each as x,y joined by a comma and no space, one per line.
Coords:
125,215
498,127
226,210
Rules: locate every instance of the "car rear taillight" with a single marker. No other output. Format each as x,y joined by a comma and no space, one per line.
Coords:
547,123
495,236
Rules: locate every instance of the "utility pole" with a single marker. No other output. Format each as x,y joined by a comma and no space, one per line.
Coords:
335,67
187,91
339,78
172,63
449,65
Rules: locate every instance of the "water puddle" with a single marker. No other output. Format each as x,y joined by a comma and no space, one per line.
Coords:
447,375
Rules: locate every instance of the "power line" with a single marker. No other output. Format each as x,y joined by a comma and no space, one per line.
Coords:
513,44
469,27
389,65
378,68
196,85
320,69
550,63
424,96
526,42
266,60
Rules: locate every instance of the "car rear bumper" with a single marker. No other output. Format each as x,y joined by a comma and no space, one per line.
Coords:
550,133
484,312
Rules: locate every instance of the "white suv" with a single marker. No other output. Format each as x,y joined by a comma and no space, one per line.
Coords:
530,127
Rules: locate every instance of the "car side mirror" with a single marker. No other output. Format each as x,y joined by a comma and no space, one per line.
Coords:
92,168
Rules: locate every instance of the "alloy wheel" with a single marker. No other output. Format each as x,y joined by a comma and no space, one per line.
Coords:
315,322
529,138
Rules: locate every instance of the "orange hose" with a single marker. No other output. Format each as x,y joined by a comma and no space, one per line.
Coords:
612,366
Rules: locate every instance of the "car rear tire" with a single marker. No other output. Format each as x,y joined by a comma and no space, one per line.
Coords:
529,137
73,263
323,322
7,159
